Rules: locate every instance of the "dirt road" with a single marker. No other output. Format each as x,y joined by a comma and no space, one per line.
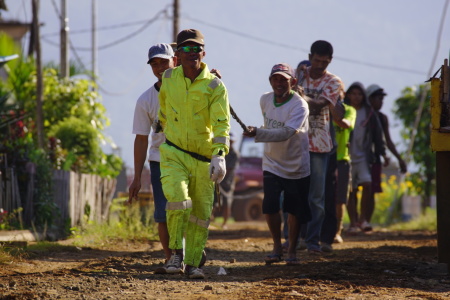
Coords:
381,265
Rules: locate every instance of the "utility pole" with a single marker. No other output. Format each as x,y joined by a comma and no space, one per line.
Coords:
64,59
39,81
94,40
176,28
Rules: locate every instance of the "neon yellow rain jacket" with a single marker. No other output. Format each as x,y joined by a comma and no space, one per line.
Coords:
195,116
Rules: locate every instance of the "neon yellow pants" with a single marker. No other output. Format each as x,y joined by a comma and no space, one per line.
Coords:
190,195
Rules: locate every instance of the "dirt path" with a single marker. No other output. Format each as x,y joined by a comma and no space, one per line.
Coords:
382,265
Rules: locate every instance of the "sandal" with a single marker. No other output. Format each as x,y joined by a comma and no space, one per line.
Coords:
294,261
314,251
285,246
273,258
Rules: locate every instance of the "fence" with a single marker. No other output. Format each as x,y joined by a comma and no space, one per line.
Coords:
82,197
79,197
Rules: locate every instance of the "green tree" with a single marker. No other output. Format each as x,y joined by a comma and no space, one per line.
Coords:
64,100
405,109
73,113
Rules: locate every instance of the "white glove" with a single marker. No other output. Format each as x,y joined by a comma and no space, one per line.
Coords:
217,168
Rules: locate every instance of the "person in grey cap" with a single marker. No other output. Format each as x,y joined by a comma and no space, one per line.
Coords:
376,96
160,58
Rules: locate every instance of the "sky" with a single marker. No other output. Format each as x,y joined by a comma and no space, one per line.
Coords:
390,43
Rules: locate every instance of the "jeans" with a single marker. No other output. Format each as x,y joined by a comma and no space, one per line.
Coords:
319,166
158,195
329,225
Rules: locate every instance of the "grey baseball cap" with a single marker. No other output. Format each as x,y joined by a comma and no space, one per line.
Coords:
375,89
160,50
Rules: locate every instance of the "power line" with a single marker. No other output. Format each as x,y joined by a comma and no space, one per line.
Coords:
425,90
55,7
163,12
272,43
110,27
80,62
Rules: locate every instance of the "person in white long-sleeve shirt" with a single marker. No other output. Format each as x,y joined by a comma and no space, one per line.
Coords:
286,159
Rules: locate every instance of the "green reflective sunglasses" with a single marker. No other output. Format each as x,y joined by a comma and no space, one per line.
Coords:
187,49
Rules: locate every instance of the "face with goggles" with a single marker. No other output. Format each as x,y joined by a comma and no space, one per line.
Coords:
191,55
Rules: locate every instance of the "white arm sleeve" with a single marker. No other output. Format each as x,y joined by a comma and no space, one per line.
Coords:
274,135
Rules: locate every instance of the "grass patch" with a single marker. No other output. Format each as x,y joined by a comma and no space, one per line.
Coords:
5,256
10,253
427,221
126,223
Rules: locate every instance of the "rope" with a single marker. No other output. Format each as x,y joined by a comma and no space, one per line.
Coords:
234,115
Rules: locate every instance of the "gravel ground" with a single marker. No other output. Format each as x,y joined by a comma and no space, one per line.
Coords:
383,264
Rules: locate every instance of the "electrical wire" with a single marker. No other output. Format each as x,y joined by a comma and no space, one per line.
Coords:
55,7
272,43
231,31
101,28
163,12
129,36
419,110
80,62
425,90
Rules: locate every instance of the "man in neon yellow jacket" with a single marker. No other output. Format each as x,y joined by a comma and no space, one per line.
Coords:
195,116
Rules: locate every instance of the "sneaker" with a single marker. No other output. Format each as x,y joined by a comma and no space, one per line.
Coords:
195,273
175,264
315,251
338,239
353,230
326,248
366,227
301,245
162,269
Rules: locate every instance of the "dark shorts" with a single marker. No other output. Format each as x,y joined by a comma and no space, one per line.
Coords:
376,178
295,196
158,196
343,181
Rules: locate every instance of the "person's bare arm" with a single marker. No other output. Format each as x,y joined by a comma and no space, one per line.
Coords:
337,111
316,105
140,154
344,123
390,145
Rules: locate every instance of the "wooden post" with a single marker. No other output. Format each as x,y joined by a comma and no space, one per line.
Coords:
64,60
176,29
39,80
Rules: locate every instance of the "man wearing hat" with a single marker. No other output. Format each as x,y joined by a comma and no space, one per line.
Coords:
195,117
160,58
376,95
286,161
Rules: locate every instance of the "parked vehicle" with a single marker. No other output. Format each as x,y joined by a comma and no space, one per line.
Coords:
248,193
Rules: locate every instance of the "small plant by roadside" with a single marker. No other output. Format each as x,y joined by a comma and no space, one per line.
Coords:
131,222
11,220
388,206
426,221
